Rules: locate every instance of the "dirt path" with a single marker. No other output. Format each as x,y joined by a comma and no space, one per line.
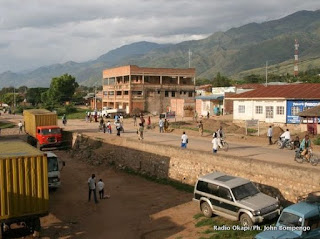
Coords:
137,208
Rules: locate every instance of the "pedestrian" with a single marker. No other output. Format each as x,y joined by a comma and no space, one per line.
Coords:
20,126
149,123
100,185
101,122
269,134
134,120
104,127
109,127
296,143
118,127
161,124
116,117
90,117
208,114
195,116
200,126
140,131
142,120
215,143
87,117
184,140
92,188
64,119
95,116
220,136
286,135
166,125
121,119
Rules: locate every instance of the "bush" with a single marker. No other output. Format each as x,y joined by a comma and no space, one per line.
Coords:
67,109
317,141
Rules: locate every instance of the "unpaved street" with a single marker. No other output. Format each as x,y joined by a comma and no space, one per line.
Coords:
137,208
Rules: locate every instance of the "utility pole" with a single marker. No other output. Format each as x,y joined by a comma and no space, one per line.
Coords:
266,73
14,96
95,98
189,53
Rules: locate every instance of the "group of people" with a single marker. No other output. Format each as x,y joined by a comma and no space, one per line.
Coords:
93,186
285,137
163,125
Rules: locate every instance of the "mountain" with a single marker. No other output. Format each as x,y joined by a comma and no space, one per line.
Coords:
236,53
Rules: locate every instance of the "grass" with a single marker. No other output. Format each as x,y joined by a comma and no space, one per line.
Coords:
209,223
79,114
5,125
317,141
175,184
184,125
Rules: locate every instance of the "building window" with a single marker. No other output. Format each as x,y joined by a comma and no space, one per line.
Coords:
259,110
105,93
280,110
166,93
269,112
190,93
295,110
111,92
180,92
126,92
173,94
241,109
184,92
158,91
119,93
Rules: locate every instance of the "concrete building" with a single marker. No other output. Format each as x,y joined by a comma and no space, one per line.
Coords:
146,89
275,103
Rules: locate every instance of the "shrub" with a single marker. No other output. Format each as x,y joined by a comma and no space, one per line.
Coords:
317,141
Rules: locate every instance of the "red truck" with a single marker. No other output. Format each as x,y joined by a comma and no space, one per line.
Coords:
42,129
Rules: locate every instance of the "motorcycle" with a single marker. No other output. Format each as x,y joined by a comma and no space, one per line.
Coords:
301,158
225,145
289,144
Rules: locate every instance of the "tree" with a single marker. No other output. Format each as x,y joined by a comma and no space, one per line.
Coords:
34,95
8,98
61,90
221,81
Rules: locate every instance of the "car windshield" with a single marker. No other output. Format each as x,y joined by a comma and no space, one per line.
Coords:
245,190
52,164
51,131
290,220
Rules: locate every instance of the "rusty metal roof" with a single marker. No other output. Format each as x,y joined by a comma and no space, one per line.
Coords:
292,91
313,112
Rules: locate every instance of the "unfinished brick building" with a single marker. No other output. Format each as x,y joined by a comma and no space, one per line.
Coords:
137,89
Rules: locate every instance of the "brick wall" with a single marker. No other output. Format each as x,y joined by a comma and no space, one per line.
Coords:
276,179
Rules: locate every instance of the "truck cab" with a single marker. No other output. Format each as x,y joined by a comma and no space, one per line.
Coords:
48,136
54,168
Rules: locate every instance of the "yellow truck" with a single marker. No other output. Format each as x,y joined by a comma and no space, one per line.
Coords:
24,193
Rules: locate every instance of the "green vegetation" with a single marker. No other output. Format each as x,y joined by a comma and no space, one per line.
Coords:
209,223
316,141
76,114
4,125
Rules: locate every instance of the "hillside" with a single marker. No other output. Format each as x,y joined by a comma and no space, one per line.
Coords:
236,52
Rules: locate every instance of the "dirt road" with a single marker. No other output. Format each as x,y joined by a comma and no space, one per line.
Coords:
137,208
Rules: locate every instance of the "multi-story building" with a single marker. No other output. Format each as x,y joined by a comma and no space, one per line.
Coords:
146,89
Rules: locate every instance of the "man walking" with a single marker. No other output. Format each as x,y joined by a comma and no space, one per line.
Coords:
161,124
140,131
92,188
200,126
269,134
134,120
184,140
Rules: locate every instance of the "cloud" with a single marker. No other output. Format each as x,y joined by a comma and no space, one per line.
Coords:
42,32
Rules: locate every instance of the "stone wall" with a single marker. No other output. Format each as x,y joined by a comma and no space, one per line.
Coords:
276,179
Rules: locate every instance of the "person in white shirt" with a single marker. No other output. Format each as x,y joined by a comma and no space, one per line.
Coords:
215,143
269,134
100,186
184,140
286,135
219,135
20,127
161,124
92,188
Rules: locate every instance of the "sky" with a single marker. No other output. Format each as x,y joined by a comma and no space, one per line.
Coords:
37,33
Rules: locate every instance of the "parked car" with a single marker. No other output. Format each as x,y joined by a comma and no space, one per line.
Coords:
234,198
300,220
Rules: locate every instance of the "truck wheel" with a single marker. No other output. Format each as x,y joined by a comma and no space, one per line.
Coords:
245,220
206,210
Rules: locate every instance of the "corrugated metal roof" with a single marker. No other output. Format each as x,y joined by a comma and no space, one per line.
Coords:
210,97
293,91
313,112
